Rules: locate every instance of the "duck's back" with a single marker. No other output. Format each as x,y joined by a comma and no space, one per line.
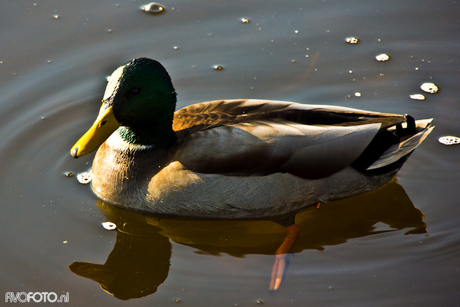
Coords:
257,137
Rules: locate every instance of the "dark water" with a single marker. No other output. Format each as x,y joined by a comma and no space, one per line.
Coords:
397,246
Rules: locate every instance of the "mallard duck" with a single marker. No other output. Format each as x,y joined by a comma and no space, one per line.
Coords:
235,159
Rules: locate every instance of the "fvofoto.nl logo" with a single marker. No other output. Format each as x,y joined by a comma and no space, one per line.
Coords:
36,297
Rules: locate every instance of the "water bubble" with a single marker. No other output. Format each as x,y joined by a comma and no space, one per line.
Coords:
49,61
84,178
56,16
382,57
109,30
109,225
358,94
296,31
218,67
175,47
417,97
153,8
68,174
352,40
449,140
245,20
429,87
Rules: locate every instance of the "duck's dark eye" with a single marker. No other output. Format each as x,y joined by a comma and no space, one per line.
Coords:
135,91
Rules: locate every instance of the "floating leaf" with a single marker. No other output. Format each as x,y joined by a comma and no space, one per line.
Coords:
352,40
382,57
153,8
109,225
429,87
417,97
84,178
449,140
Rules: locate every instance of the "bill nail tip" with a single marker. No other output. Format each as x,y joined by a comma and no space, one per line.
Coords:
74,152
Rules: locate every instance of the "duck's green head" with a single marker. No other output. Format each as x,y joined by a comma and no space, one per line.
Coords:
139,101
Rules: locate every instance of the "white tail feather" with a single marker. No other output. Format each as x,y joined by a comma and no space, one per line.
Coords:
397,151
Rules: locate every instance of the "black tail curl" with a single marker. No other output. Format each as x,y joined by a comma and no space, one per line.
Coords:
382,141
409,130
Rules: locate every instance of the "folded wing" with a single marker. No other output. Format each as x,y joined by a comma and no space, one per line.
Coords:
255,137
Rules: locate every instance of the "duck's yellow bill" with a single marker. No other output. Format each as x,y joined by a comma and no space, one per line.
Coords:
102,128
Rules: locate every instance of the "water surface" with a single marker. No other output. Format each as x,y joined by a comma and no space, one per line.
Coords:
397,246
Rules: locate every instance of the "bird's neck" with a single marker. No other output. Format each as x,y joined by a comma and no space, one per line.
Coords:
156,135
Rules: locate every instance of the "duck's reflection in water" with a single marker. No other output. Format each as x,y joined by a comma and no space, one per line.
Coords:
140,260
